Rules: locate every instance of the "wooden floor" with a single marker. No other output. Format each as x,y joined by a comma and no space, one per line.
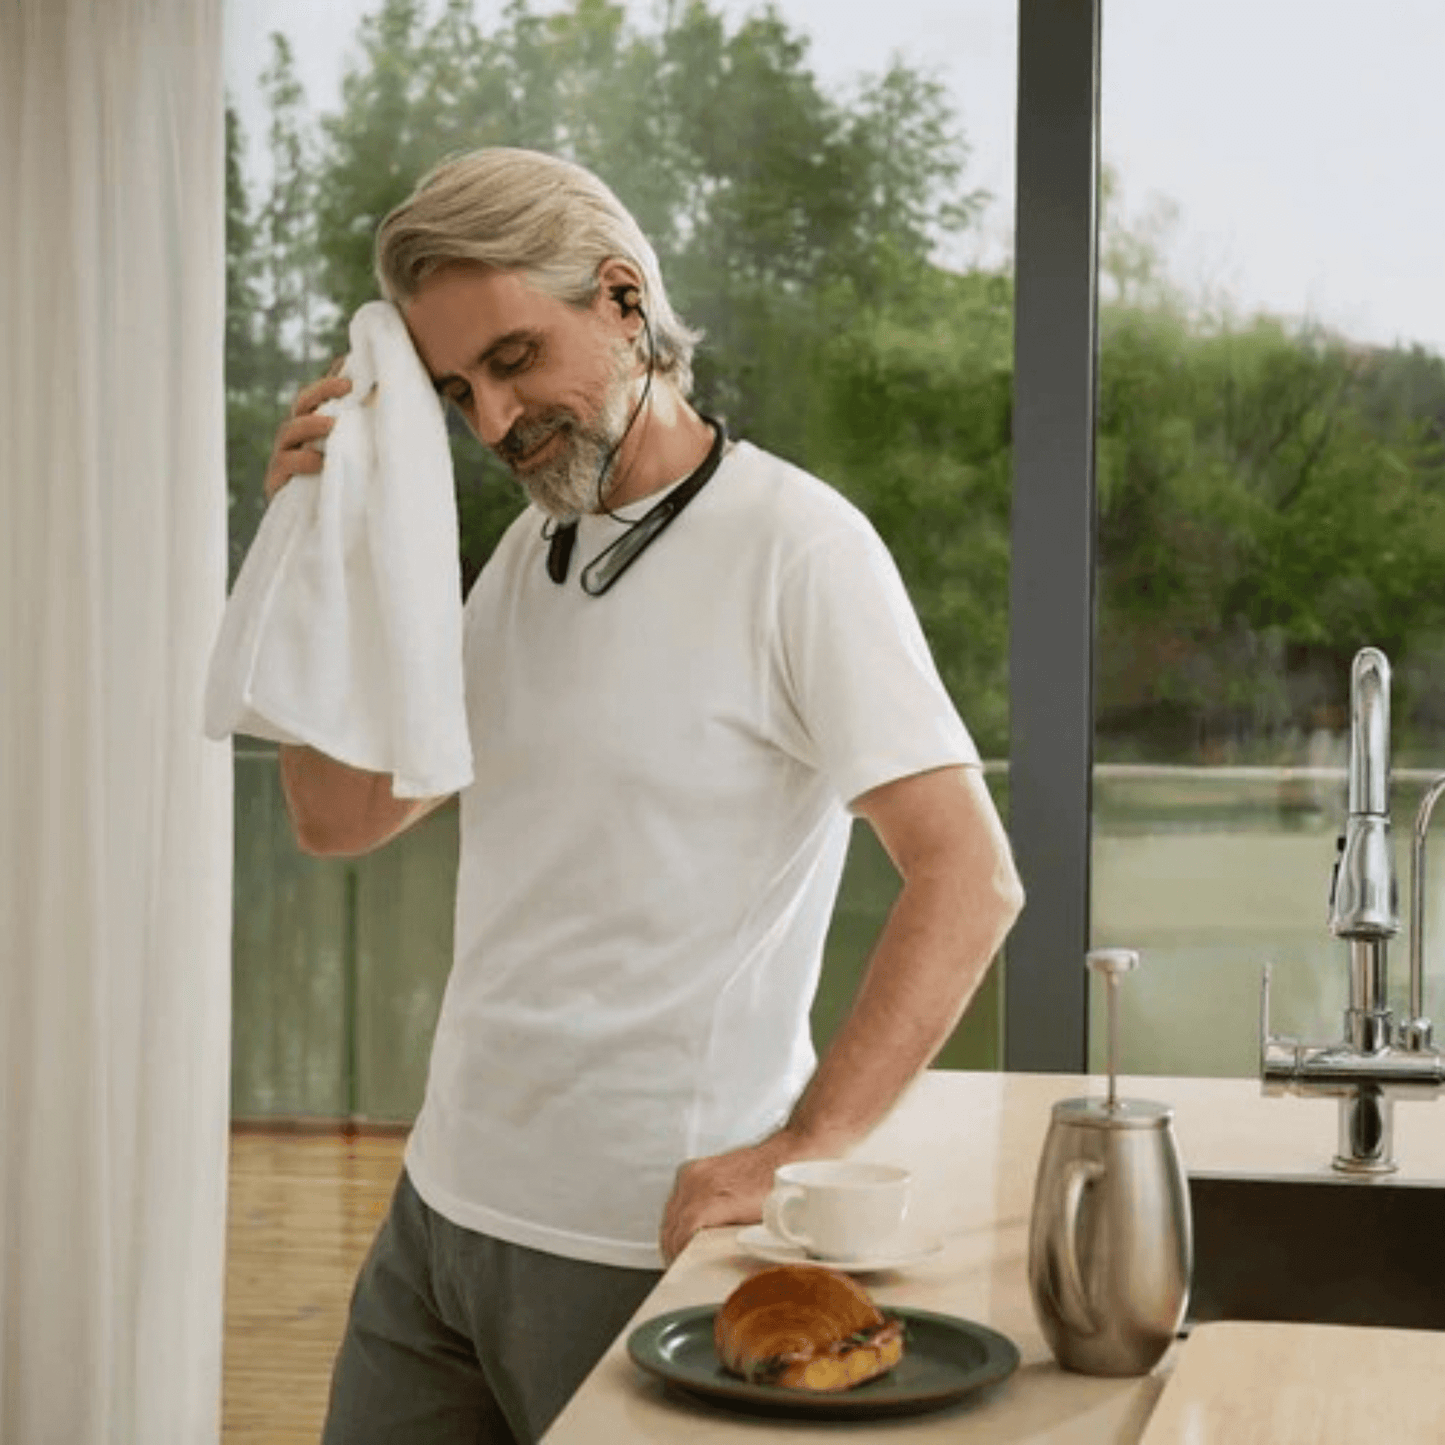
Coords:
303,1210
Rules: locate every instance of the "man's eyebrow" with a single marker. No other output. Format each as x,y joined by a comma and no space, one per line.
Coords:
508,338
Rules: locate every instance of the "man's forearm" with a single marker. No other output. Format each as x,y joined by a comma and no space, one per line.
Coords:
340,811
931,956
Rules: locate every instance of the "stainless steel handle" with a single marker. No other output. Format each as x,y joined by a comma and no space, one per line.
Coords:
1073,1296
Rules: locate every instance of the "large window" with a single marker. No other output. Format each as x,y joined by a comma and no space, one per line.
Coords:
1271,492
1145,551
833,206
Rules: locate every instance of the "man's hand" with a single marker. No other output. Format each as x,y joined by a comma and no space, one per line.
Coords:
294,451
721,1189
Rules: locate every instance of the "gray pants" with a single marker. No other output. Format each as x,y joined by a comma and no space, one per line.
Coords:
456,1338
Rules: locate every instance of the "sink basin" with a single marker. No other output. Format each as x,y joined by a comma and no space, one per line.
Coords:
1324,1251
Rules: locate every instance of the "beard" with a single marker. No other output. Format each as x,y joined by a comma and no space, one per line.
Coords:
570,481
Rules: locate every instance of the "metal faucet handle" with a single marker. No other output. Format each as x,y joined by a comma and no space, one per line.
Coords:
1278,1054
1417,1036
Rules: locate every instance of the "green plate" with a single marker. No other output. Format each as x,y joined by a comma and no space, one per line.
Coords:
945,1360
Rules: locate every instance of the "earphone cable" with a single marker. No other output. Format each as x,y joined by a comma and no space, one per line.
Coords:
602,506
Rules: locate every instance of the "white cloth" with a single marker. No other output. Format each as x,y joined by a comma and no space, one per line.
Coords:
651,851
115,812
344,627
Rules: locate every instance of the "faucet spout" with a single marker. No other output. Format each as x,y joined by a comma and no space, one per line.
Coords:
1369,780
1364,902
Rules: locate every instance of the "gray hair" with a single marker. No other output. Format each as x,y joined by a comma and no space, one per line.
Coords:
520,210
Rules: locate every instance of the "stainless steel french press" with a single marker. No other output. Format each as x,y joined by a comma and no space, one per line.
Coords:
1110,1240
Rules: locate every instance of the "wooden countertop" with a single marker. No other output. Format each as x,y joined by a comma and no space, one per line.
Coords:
973,1142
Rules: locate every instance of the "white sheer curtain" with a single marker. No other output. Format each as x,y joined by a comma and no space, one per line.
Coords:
115,814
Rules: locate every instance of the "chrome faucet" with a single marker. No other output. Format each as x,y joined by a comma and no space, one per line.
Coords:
1364,892
1375,1063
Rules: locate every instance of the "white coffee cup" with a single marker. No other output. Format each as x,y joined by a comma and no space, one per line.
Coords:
838,1208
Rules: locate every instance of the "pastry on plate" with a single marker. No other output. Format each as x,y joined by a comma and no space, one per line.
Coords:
805,1327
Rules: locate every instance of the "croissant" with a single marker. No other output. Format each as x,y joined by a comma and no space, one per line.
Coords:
805,1327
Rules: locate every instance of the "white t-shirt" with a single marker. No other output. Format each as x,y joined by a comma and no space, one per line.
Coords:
651,848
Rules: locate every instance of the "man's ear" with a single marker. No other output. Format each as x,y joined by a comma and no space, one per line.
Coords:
621,294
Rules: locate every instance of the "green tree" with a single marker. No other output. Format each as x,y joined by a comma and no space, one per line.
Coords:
293,302
251,402
913,418
273,301
770,226
1269,501
1258,522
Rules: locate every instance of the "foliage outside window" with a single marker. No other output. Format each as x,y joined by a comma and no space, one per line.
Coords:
1271,498
796,227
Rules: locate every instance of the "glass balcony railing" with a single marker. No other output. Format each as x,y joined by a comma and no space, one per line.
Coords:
1213,872
339,965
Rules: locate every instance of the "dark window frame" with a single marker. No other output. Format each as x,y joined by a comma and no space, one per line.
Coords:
1052,582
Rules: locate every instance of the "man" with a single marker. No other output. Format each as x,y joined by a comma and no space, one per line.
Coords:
688,665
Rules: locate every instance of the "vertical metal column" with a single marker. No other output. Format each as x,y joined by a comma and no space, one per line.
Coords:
351,993
1051,623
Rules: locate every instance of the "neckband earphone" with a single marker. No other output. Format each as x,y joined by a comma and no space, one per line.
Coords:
614,559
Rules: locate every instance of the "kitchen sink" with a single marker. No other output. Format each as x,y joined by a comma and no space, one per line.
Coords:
1325,1251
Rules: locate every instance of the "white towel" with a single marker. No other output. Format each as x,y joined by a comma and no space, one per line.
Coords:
344,628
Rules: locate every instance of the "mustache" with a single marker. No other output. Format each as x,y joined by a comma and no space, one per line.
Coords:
528,433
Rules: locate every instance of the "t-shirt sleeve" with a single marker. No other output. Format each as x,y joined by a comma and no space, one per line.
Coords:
863,701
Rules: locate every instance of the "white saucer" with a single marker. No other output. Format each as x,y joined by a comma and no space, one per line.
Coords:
758,1239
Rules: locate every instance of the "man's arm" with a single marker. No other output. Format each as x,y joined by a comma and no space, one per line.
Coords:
959,898
336,811
339,811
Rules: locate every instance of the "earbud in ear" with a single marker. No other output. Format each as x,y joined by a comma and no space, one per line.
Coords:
628,299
